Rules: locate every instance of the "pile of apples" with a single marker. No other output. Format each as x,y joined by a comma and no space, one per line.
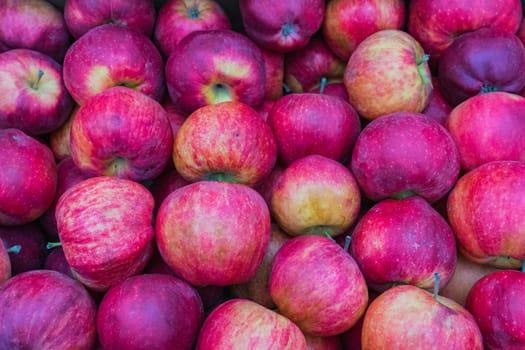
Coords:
258,174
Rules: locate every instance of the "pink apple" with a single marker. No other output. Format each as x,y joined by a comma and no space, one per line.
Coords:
27,246
46,309
82,15
113,55
227,141
230,68
213,233
486,210
178,18
105,227
59,139
388,72
28,179
405,153
437,108
274,68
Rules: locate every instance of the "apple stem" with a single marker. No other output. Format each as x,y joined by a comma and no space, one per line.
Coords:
404,194
523,266
328,235
286,89
436,284
14,249
323,85
51,245
37,81
348,239
423,59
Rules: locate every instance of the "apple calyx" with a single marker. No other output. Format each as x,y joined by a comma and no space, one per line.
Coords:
51,245
193,12
487,87
404,194
35,83
14,249
437,279
221,177
117,167
421,65
288,29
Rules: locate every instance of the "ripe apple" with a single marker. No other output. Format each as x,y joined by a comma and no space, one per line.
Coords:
318,285
5,264
59,139
437,108
274,68
489,127
402,154
56,260
113,55
230,68
486,210
121,132
28,179
46,309
149,311
105,227
178,18
228,141
388,72
34,98
347,23
26,246
213,233
82,15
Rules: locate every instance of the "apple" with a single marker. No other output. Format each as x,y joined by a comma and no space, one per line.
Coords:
244,324
121,132
486,210
46,309
274,68
227,141
437,108
82,15
175,117
499,117
5,263
56,260
230,68
409,317
334,88
213,233
388,72
105,227
480,61
283,26
59,139
402,154
315,195
35,99
311,123
178,18
168,181
323,343
403,241
318,285
347,23
150,311
26,246
33,24
28,179
266,185
495,303
113,55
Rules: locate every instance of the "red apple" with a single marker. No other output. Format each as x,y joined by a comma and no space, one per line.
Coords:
27,246
437,108
388,72
113,55
56,260
227,141
150,311
230,68
213,233
34,98
486,210
347,23
46,309
59,139
121,132
489,127
105,226
178,18
334,88
405,153
82,15
28,179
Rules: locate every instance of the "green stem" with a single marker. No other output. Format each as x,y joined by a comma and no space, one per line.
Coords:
223,177
328,235
51,245
14,249
404,194
37,81
436,285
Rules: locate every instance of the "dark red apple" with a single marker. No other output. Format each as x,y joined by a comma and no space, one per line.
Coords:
56,260
28,244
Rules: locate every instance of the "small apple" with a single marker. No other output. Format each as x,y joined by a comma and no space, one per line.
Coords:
26,246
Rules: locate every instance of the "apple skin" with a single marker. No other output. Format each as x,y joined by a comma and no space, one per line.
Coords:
318,285
59,139
499,117
105,227
34,104
311,123
347,23
403,241
150,311
46,310
33,24
486,210
228,141
405,83
123,133
168,181
5,264
113,55
213,233
437,108
316,195
213,66
82,15
28,179
178,18
408,317
274,68
495,303
56,260
30,240
266,185
287,27
405,153
323,343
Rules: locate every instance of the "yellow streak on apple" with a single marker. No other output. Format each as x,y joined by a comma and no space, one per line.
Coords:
99,79
228,68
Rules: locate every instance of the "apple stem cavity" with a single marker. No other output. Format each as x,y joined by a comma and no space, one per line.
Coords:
51,245
14,249
421,65
436,284
223,177
488,88
404,194
348,239
324,81
287,29
221,92
38,78
193,12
